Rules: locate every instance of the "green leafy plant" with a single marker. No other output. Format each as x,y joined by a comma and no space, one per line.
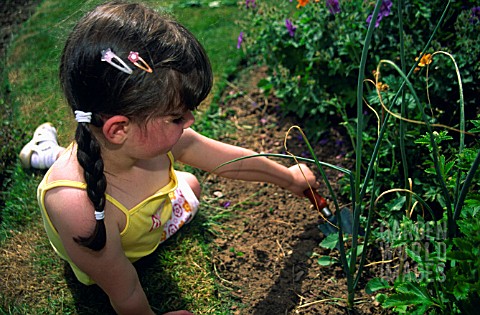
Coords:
331,242
304,48
310,47
463,280
450,288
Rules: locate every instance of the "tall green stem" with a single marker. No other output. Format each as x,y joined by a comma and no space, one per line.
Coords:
466,185
358,158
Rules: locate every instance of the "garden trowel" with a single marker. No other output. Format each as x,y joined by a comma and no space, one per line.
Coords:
330,227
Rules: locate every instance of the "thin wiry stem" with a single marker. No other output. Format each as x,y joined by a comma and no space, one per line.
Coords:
403,109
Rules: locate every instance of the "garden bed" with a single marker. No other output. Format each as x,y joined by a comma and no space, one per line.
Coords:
267,251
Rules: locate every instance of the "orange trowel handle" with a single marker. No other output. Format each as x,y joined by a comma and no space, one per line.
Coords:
318,201
315,198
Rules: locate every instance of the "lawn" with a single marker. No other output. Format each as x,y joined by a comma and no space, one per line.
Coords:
35,280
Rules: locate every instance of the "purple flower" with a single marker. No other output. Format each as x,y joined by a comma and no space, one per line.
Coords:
291,29
333,6
377,23
239,40
475,17
226,204
385,9
250,4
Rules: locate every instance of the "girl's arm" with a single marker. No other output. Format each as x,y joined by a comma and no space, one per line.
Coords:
207,154
72,216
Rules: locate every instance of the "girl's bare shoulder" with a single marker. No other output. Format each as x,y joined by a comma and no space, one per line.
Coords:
69,206
66,167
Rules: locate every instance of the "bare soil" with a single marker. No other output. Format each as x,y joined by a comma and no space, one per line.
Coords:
268,253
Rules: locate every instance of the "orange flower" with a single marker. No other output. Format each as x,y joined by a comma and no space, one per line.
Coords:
302,3
426,60
382,87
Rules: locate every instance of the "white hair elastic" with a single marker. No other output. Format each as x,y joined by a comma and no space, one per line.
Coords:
83,117
99,215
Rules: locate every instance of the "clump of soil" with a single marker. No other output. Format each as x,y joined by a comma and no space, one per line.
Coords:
268,251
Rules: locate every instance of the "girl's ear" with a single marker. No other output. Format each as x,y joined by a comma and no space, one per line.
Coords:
115,129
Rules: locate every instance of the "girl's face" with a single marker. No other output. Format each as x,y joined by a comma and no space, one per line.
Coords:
160,134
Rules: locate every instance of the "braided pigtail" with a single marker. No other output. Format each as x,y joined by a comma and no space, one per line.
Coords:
89,157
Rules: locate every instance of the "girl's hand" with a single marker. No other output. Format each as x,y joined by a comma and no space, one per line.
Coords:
302,177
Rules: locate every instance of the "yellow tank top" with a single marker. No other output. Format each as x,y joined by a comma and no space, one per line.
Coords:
144,229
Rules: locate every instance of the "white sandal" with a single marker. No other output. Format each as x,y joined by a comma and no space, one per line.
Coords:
44,132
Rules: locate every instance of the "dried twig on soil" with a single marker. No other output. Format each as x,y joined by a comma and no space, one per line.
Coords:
218,275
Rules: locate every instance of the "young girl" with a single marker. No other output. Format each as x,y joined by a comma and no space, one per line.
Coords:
132,79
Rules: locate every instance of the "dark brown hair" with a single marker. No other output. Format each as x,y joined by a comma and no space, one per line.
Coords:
181,78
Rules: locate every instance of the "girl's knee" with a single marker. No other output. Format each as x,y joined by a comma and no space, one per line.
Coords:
192,181
195,185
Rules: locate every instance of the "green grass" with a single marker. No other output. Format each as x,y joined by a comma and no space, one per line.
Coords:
179,274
